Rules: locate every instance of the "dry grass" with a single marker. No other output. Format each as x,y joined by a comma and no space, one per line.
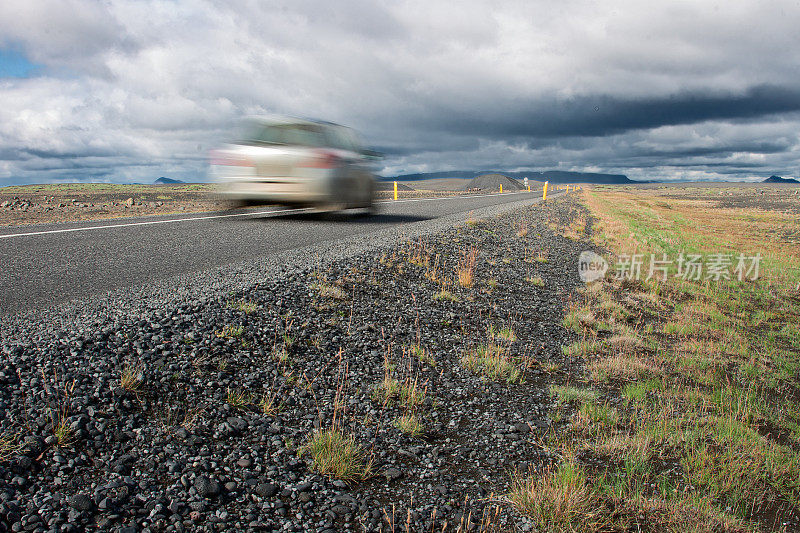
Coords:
466,268
130,378
329,291
9,446
621,367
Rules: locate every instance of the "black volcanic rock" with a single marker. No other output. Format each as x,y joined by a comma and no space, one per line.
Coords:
778,179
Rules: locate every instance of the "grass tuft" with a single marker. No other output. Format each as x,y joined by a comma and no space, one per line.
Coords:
385,391
409,424
338,456
131,378
491,361
9,446
570,394
246,306
444,294
466,268
560,500
230,331
238,399
329,291
535,280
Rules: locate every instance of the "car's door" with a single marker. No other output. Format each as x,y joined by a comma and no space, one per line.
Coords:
352,178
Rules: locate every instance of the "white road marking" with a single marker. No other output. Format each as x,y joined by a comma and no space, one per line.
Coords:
231,215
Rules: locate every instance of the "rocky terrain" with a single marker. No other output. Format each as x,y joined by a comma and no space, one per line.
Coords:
44,204
41,204
432,358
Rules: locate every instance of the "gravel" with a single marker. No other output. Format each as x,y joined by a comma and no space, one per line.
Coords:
186,444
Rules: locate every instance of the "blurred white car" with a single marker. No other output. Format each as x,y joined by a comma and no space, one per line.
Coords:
296,162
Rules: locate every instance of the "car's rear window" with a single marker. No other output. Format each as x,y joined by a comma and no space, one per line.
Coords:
298,134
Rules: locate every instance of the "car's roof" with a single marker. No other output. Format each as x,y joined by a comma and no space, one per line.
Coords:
286,119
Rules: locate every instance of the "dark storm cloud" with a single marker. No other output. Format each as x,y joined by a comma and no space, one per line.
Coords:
602,115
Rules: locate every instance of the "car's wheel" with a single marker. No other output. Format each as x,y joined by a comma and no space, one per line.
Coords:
369,202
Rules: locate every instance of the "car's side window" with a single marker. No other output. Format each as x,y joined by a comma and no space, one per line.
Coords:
335,139
342,138
352,139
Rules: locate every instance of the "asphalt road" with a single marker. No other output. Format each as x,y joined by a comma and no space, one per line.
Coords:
44,265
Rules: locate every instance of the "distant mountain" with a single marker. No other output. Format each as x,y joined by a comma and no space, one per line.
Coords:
778,179
162,180
493,182
553,176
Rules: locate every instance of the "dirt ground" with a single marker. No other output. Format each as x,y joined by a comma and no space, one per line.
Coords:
38,204
765,196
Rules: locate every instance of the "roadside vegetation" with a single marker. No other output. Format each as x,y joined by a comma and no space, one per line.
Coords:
688,415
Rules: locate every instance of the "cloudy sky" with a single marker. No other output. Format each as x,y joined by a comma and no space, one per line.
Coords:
120,90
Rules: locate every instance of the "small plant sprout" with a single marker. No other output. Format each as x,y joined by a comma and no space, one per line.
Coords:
230,332
280,353
269,404
505,334
445,295
416,350
523,230
63,433
246,306
535,280
238,399
59,405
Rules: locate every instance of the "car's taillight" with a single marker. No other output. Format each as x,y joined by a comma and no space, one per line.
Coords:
322,159
232,160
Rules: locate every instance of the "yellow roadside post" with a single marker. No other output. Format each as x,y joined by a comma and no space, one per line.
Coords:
567,188
395,190
544,194
501,188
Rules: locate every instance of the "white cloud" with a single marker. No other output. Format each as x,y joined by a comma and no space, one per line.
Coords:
137,89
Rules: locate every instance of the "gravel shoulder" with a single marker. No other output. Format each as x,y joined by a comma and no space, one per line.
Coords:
188,404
